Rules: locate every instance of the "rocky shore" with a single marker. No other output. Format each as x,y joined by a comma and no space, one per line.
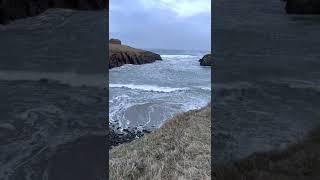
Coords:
117,137
206,60
121,54
16,9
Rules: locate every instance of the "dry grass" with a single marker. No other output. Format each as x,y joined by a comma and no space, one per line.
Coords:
180,149
297,162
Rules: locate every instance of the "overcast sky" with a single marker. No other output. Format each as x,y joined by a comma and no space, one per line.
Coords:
169,24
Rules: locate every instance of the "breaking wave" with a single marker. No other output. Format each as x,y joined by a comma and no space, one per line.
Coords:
153,88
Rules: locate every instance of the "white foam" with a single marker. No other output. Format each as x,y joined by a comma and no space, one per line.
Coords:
176,56
147,87
204,88
118,106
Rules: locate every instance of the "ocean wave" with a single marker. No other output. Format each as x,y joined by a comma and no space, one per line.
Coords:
204,88
70,78
148,87
118,105
177,56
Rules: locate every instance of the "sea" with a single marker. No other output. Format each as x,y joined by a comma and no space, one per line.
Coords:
145,96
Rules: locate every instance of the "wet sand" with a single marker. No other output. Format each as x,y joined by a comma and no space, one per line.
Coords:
266,77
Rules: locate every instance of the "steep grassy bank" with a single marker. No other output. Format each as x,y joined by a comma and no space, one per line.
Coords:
180,149
298,161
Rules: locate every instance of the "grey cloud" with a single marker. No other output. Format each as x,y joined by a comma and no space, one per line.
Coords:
141,27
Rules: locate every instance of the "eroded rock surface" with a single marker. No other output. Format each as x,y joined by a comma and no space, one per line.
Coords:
121,54
115,41
206,60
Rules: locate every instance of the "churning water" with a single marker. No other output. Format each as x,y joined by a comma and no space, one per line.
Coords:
144,96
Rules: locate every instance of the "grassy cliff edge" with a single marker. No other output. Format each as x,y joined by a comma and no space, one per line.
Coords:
180,149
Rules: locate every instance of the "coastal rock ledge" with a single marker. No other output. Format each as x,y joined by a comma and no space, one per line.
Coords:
206,60
122,54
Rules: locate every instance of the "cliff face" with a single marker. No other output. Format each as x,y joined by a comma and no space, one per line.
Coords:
15,9
121,54
303,6
206,60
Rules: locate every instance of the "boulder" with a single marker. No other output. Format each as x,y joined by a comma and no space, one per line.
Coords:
302,6
121,54
206,60
16,9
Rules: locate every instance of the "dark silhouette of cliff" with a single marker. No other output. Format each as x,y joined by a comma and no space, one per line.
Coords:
16,9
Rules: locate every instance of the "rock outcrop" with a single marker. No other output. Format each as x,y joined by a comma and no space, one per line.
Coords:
121,54
303,6
206,60
115,41
15,9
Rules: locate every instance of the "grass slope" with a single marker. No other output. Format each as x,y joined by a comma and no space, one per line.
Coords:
180,149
